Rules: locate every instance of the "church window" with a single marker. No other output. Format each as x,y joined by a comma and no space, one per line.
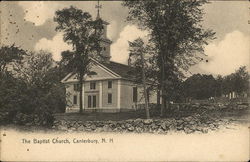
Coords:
109,84
89,101
94,101
134,94
109,98
76,87
75,100
92,85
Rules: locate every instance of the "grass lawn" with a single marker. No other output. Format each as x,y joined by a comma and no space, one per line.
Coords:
237,115
101,116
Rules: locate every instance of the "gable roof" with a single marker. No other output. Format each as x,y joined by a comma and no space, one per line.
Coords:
124,71
117,69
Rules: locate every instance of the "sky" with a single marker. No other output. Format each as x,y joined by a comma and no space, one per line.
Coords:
30,25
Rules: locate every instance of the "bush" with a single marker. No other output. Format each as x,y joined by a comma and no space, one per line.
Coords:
11,97
21,103
30,89
42,119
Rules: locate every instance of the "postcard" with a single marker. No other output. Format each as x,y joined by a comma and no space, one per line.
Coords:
124,80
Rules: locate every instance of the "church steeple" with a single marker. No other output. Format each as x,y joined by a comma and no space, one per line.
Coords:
105,42
98,6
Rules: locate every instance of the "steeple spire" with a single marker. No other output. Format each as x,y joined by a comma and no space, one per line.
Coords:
105,42
98,6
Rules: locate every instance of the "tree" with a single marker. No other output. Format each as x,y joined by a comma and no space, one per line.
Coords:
12,96
176,31
236,82
32,91
9,55
241,80
200,86
11,88
137,52
34,67
84,34
218,85
42,77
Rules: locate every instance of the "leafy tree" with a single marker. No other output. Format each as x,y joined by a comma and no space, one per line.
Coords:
218,86
236,82
137,51
12,96
200,86
241,80
30,88
41,74
84,34
34,68
11,88
176,91
176,32
151,69
9,55
33,92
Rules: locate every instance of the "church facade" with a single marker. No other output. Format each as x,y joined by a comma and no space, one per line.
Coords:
109,87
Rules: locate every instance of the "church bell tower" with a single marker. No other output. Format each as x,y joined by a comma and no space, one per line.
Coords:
105,42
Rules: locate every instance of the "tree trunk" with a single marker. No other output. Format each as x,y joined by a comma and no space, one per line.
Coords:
145,88
80,96
146,101
163,92
158,97
168,105
163,101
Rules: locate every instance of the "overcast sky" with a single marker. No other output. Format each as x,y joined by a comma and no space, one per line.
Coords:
30,25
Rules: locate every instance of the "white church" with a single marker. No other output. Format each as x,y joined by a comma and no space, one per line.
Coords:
110,87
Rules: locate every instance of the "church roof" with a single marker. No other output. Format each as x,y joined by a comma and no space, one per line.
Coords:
117,69
124,71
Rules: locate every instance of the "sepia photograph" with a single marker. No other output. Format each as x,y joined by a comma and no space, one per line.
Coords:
127,80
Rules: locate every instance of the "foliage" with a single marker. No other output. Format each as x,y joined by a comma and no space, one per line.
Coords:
176,32
84,34
200,86
42,76
236,82
32,92
176,91
9,55
174,27
12,95
34,68
137,52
